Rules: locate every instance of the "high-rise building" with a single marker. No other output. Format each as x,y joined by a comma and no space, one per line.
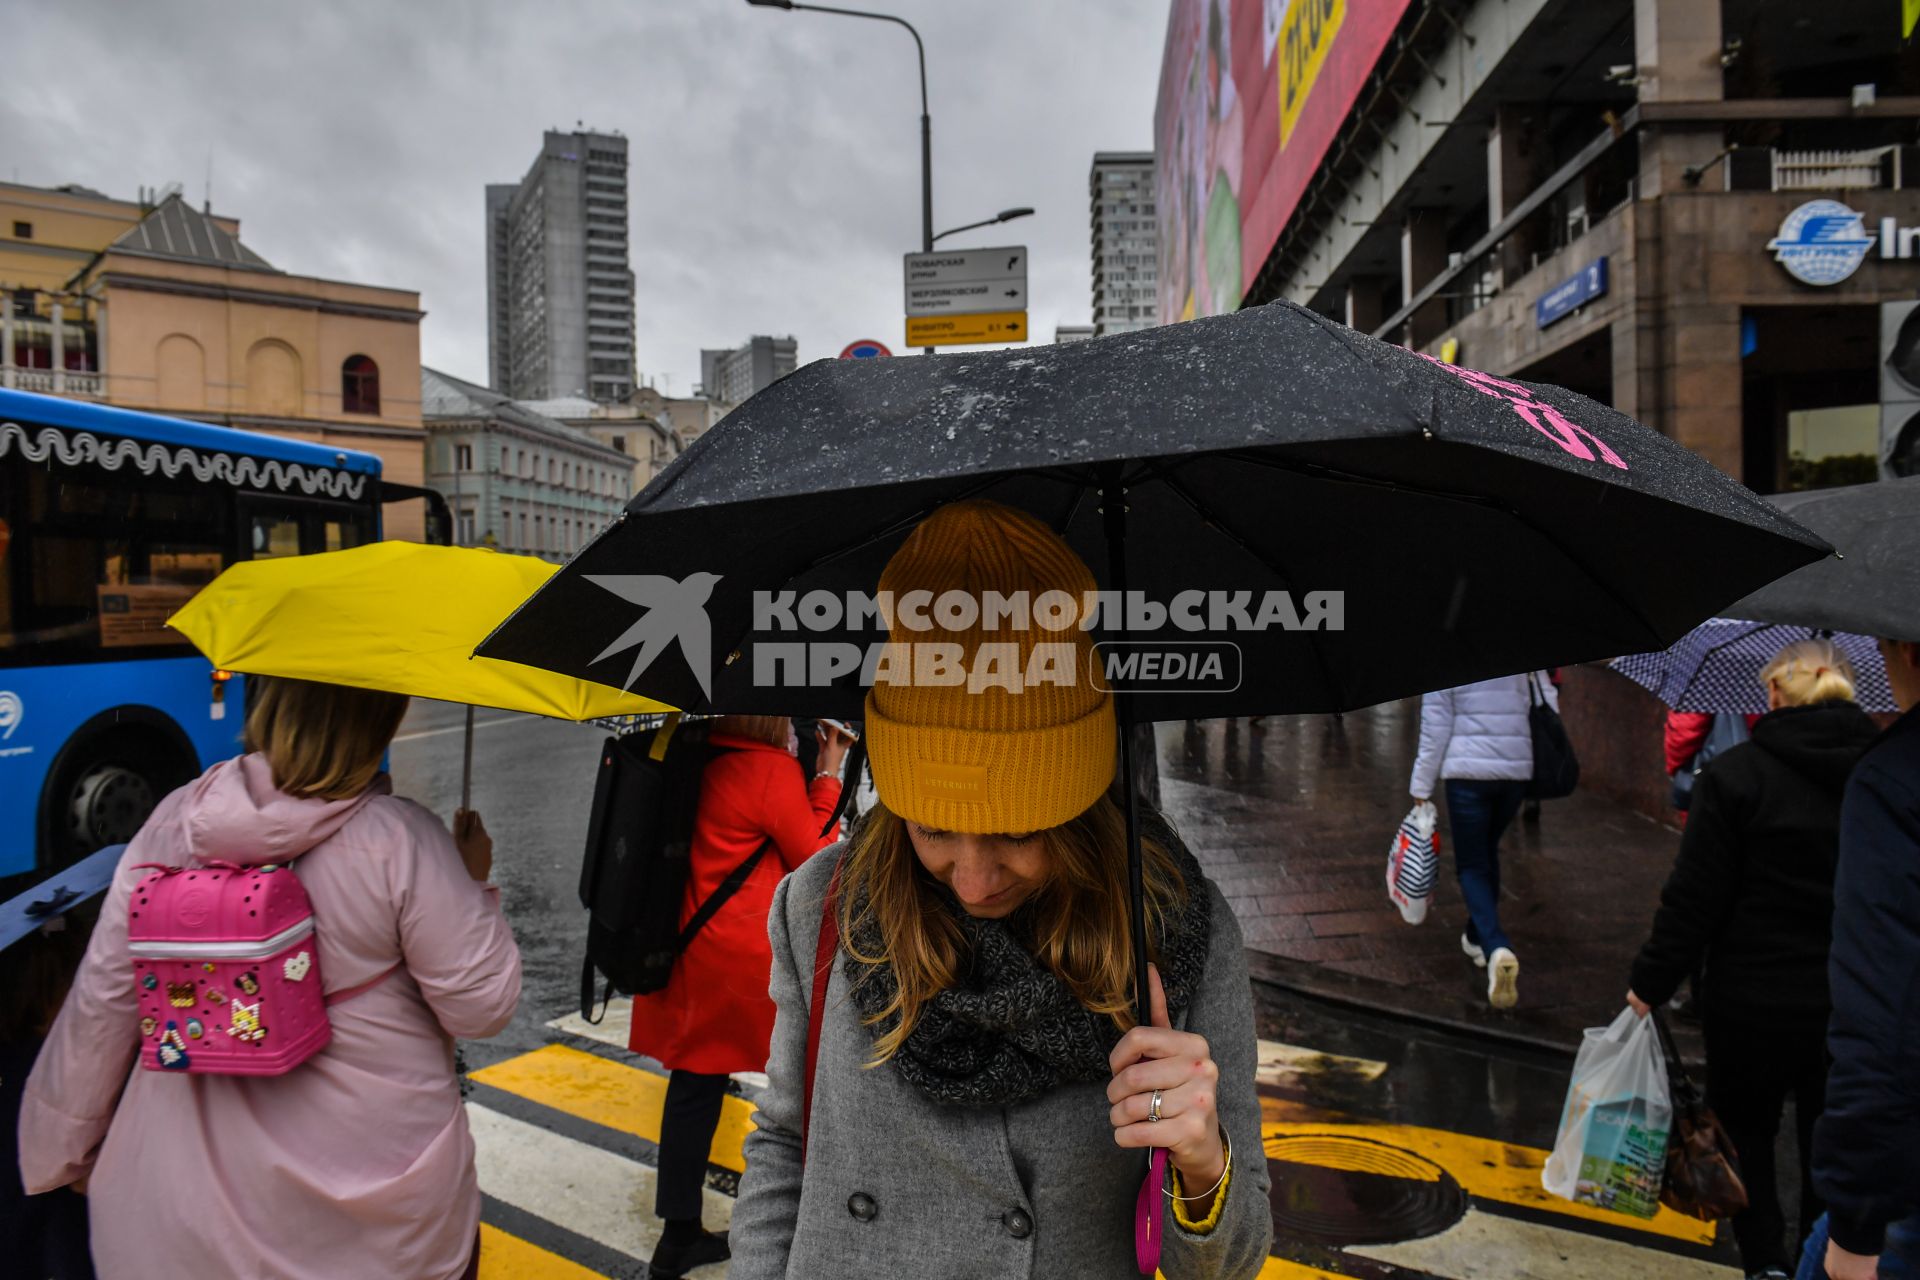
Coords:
729,376
559,284
1125,241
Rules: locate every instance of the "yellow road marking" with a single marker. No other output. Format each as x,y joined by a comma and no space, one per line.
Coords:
610,1094
629,1100
1281,1269
1487,1169
507,1257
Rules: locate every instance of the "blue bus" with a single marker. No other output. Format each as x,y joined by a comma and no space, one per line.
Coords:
109,521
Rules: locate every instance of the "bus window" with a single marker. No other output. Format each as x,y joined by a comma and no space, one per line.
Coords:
275,536
112,556
341,535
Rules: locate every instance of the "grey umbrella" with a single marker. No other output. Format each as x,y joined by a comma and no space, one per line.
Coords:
1873,585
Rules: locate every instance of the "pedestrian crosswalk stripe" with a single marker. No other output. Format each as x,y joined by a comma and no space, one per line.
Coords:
1532,1248
596,1194
1487,1169
507,1257
1282,1064
610,1094
605,1199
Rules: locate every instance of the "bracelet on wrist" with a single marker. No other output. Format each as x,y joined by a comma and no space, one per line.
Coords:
1226,1167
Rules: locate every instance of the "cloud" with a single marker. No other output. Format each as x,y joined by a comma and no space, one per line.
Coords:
775,161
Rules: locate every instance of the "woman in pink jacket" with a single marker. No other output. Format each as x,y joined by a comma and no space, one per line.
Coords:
358,1162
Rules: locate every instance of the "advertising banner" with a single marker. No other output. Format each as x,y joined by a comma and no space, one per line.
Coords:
1252,93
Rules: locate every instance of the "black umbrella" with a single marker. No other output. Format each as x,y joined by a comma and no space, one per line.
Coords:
1476,526
1873,585
1397,524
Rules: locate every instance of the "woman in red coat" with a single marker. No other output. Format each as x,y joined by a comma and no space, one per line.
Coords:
714,1016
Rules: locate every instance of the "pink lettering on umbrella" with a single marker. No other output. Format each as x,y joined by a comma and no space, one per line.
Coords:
1539,415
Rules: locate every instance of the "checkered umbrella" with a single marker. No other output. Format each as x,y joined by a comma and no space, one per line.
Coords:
1716,666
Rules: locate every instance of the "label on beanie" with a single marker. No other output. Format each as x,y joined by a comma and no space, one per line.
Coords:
952,781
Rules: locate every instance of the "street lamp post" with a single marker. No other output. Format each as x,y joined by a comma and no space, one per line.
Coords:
1005,215
926,121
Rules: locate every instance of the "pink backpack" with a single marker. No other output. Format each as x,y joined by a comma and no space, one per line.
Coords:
226,969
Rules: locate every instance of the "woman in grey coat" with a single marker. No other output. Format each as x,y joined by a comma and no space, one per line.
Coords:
981,1100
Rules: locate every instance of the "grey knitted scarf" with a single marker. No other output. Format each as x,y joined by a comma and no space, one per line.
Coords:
1009,1030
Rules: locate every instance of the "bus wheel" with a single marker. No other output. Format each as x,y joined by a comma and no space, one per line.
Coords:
107,805
107,780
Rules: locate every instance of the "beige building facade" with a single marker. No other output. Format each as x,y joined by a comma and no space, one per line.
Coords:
163,308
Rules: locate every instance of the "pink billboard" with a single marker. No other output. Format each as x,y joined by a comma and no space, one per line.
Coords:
1252,93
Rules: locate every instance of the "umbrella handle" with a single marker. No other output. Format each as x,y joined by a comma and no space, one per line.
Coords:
1149,1214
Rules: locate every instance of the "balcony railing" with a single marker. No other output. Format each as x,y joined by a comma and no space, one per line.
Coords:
53,382
1777,169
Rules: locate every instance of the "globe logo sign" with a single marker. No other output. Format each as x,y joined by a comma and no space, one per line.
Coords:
1821,243
11,712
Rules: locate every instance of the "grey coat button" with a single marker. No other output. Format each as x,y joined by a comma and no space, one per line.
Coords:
1018,1222
862,1206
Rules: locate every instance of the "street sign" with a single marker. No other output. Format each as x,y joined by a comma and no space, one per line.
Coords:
1571,294
966,297
864,349
980,295
949,331
967,281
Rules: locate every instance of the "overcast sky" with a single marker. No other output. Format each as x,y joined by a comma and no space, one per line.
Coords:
775,156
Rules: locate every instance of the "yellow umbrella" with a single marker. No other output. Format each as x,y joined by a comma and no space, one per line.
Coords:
399,617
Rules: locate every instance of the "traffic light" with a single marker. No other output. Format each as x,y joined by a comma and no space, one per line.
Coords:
1900,388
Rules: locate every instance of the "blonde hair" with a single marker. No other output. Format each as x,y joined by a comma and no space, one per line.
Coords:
1081,926
772,729
321,740
1810,671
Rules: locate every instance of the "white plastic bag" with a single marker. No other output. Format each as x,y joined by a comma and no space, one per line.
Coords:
1412,860
1612,1148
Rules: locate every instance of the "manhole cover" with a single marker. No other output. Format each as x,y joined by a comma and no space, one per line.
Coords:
1337,1190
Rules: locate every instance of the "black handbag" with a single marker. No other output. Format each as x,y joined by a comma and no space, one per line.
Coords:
1556,769
1703,1169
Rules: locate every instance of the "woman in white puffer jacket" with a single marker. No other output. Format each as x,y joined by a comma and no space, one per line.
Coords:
1476,739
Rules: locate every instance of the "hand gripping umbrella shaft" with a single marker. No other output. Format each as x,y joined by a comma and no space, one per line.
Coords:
1149,1205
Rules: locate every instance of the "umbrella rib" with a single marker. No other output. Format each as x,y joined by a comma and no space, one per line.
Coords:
1165,475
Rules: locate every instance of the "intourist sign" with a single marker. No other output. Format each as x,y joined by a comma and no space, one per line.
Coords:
1824,242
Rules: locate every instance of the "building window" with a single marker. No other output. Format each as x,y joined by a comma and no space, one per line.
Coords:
620,443
552,470
463,457
360,385
23,231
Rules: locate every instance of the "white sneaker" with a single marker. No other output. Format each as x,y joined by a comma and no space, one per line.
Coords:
1503,979
1475,952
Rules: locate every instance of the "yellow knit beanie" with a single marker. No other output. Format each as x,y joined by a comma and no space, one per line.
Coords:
987,759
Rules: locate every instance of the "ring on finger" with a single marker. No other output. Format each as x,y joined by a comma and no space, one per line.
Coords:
1153,1107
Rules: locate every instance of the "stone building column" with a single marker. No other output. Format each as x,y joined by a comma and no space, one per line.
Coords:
1516,154
6,339
1363,310
1677,47
1423,255
59,349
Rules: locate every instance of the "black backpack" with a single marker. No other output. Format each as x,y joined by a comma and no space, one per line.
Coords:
634,876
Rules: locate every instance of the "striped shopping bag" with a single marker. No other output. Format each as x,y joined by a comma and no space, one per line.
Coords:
1412,860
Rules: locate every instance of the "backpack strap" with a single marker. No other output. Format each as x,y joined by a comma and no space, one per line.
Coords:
718,898
348,993
823,954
